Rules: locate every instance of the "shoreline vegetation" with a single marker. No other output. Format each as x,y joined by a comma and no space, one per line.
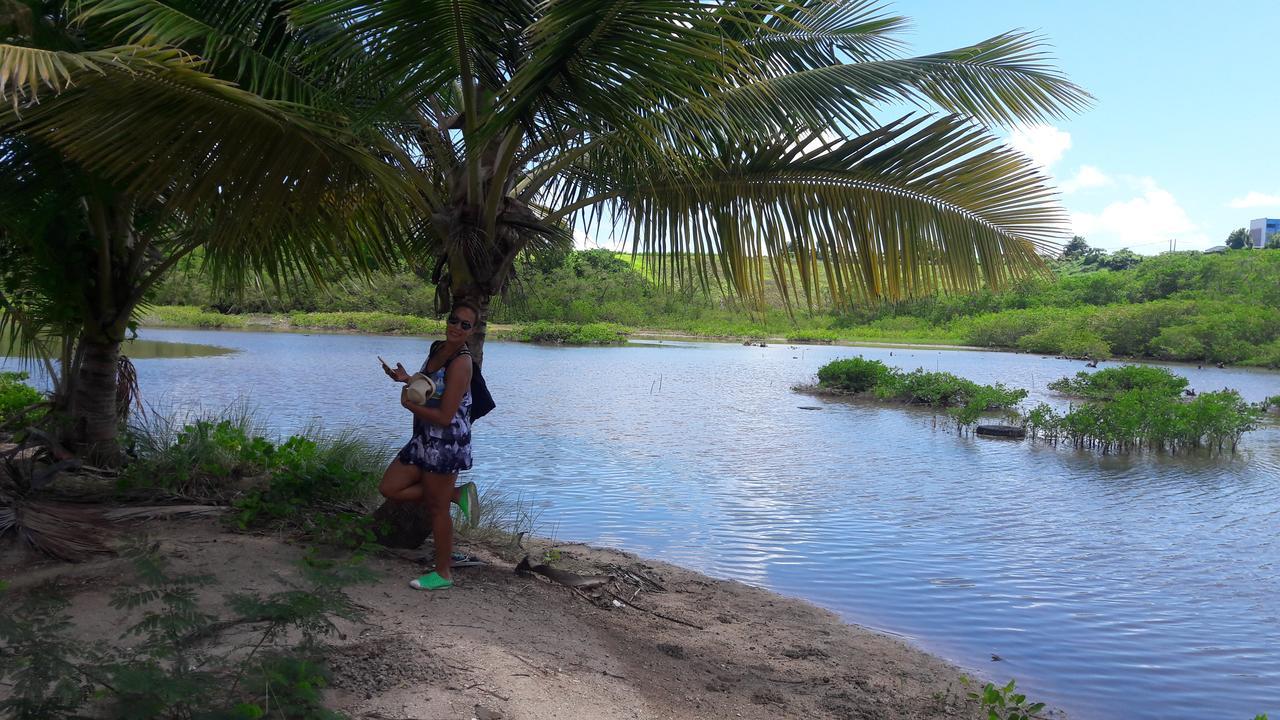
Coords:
262,587
1180,307
1129,408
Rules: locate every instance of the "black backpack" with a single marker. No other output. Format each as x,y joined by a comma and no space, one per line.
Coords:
481,400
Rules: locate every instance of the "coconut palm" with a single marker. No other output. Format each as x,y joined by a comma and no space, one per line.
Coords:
729,140
120,156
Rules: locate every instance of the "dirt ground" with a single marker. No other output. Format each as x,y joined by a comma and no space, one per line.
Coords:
657,642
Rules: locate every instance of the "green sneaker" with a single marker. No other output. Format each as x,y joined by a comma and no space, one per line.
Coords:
431,581
468,501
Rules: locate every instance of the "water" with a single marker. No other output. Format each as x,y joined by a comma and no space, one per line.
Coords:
1111,586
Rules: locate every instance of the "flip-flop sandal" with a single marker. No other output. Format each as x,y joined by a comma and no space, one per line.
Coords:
458,559
431,581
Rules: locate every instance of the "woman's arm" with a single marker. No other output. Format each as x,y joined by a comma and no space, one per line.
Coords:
457,380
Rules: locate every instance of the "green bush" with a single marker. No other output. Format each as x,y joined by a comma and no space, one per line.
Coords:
1149,418
188,316
368,322
1110,383
813,336
1068,338
943,389
965,400
855,375
210,457
15,395
570,334
1002,329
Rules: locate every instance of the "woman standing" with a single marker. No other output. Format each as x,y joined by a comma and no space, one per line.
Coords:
426,468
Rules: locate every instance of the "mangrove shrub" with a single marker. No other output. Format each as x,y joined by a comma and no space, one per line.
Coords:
964,399
1149,419
1110,383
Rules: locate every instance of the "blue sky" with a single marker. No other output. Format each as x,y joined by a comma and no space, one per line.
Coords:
1181,142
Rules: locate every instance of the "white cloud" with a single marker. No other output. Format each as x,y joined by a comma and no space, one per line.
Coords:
1255,199
1087,176
1044,144
1144,223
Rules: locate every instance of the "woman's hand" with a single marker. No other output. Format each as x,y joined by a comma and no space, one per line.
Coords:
399,374
404,400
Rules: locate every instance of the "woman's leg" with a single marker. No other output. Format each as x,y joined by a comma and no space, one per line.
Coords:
439,493
402,482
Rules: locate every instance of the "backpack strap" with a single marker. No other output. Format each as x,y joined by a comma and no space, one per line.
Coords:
464,350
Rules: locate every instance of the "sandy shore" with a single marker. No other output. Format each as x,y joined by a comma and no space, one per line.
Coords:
502,645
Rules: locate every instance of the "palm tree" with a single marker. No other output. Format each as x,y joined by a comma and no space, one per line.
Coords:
147,151
720,136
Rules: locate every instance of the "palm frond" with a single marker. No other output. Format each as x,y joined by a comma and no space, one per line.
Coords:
808,33
153,120
913,207
248,42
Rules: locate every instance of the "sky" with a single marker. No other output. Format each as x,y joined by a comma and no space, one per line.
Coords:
1181,142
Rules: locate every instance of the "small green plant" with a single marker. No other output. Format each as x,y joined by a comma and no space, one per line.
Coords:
170,673
855,375
333,472
1003,702
16,395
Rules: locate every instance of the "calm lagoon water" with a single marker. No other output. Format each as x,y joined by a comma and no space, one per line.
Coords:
1117,587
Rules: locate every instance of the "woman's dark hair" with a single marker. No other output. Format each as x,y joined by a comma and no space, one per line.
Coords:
474,308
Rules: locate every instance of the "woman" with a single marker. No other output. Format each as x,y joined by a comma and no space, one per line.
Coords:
425,469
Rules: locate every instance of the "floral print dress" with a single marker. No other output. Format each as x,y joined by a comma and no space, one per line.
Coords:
444,450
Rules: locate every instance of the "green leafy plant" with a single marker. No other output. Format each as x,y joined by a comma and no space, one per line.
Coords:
171,673
1149,418
16,396
855,375
1110,383
571,334
965,400
229,459
1003,702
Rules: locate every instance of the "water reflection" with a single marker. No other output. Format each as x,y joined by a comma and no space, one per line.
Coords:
143,349
1114,586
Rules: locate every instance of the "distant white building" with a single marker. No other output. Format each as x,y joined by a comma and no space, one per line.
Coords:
1262,229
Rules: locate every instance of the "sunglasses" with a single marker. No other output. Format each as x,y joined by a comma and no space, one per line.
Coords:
455,320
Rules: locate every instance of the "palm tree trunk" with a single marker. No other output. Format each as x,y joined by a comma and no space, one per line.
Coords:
95,422
476,343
